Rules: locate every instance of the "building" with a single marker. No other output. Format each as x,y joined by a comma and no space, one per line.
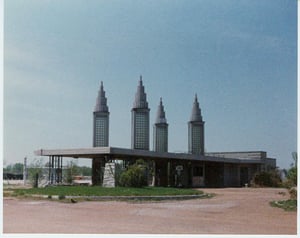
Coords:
193,169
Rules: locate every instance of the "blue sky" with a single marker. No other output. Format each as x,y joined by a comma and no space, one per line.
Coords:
240,57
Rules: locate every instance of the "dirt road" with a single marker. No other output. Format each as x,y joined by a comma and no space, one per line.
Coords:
231,211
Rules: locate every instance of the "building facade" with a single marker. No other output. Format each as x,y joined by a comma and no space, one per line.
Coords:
160,130
140,120
193,169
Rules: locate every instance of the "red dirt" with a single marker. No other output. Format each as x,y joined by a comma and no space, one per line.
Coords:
231,211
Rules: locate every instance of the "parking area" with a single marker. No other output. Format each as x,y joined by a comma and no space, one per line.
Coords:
230,211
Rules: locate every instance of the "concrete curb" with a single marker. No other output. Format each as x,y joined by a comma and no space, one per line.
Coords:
125,198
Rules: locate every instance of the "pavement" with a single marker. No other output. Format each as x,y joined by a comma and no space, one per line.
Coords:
230,211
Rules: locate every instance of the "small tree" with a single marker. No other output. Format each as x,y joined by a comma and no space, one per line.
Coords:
18,168
35,172
292,172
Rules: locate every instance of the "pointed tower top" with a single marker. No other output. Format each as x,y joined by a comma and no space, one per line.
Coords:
161,115
101,102
140,96
196,112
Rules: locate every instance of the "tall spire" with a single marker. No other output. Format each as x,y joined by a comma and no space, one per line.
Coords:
160,130
196,112
161,115
140,96
101,102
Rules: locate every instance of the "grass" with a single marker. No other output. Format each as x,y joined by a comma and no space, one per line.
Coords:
287,205
101,191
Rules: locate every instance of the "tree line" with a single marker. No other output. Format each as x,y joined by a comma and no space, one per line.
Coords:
18,168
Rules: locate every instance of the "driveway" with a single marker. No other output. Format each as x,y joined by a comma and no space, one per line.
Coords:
231,211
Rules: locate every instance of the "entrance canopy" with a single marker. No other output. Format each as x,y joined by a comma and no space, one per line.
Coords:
122,153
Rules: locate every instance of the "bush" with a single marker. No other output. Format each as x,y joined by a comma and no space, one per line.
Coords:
267,179
293,193
134,176
287,184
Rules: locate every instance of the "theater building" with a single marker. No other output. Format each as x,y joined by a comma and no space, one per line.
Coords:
196,168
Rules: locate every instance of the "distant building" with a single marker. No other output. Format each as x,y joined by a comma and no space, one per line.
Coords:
193,169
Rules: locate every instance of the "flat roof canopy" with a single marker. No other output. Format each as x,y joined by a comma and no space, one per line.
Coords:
122,153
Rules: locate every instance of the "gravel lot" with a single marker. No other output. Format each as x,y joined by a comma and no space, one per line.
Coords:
231,211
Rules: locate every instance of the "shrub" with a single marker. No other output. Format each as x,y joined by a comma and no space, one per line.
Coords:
134,176
267,179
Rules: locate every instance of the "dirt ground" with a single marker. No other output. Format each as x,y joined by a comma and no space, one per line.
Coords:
231,211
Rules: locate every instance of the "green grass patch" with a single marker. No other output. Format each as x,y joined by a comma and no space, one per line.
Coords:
287,205
101,191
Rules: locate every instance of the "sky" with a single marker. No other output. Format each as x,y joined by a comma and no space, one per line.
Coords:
239,57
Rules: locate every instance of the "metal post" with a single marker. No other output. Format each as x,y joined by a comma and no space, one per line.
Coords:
52,164
169,173
49,169
56,165
61,169
54,170
25,170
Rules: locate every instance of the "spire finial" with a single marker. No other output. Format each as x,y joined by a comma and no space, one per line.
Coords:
101,102
196,111
160,116
140,96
